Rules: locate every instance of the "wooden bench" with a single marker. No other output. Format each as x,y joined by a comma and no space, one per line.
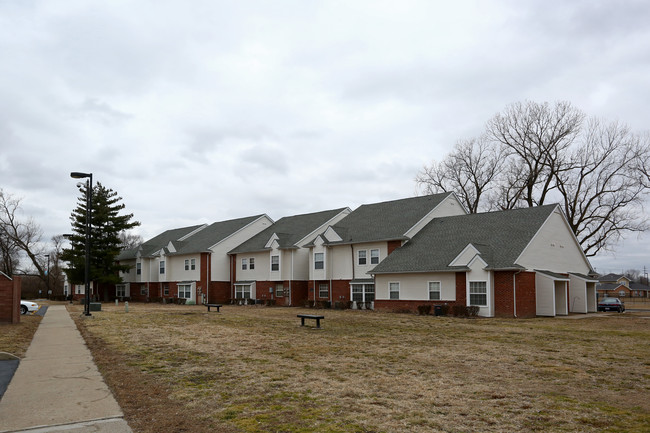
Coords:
217,306
310,316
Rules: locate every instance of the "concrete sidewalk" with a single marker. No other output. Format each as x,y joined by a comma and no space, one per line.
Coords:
57,387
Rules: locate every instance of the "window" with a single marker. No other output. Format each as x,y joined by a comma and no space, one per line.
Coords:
144,291
187,265
251,263
193,264
363,292
319,260
478,293
374,257
80,289
362,257
393,288
275,263
185,291
279,290
166,289
244,264
120,290
138,268
242,291
621,293
434,290
162,266
323,291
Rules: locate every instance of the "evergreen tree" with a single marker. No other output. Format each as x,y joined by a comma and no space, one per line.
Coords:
105,242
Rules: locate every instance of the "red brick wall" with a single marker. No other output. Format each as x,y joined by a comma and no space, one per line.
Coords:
461,288
404,306
393,245
219,292
526,295
504,294
298,292
9,299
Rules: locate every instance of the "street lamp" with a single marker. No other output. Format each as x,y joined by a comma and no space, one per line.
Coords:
89,203
47,274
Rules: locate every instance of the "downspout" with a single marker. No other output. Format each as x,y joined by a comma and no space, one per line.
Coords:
514,292
330,269
352,253
290,280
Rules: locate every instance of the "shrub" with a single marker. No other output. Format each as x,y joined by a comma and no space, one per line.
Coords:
472,311
189,302
424,310
444,309
459,311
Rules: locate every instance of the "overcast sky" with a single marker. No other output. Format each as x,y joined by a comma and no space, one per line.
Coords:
201,111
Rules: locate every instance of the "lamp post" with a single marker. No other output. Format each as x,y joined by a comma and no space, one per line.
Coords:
47,274
89,203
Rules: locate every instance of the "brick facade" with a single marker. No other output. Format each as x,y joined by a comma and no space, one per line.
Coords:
340,290
504,294
393,245
9,299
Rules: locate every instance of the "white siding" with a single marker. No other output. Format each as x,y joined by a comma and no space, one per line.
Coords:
262,266
448,207
545,295
220,261
416,286
577,295
175,267
299,259
319,274
361,271
555,249
341,262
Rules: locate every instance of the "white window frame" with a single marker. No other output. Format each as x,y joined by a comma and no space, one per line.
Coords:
161,267
138,268
187,289
323,290
374,259
242,291
439,291
187,264
279,290
251,263
322,261
365,292
485,293
364,258
277,256
144,291
166,289
120,290
244,264
192,264
391,291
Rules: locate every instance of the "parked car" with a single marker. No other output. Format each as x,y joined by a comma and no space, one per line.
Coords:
28,306
611,304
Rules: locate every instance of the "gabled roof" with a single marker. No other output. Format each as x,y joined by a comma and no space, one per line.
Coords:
202,240
500,237
289,230
612,277
159,242
389,220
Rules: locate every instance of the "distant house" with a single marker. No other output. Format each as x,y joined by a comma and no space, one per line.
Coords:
190,262
342,257
620,286
516,263
273,265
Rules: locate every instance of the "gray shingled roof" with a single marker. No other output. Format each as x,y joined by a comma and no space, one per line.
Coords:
156,243
388,220
499,236
214,233
289,229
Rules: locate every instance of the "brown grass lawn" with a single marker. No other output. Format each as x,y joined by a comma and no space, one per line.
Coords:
254,369
15,338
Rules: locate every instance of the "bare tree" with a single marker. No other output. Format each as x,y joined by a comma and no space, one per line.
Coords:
536,137
469,171
602,193
599,173
129,240
24,236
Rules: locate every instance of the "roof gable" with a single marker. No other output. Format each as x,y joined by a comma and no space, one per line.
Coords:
499,237
389,220
289,231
